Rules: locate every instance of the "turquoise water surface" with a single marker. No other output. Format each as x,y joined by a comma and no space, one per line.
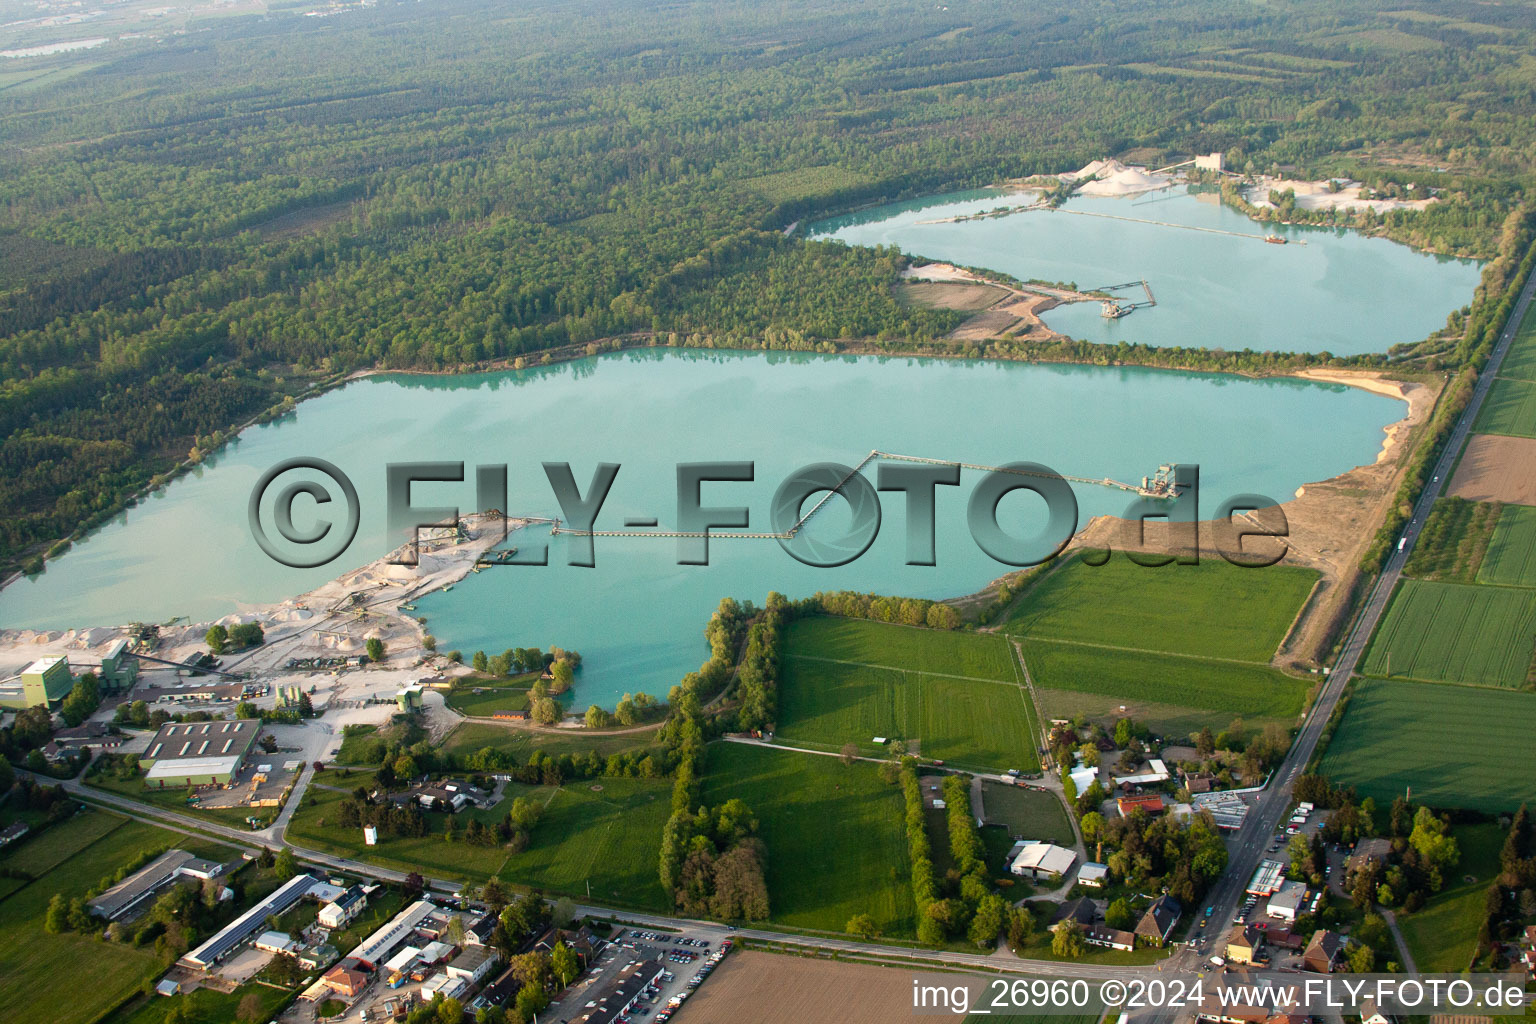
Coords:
638,617
1340,292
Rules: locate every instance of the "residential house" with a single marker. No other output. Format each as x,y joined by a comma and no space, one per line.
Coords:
1082,910
1324,953
1370,1013
343,910
1245,944
1149,803
1368,851
1158,921
1112,938
345,981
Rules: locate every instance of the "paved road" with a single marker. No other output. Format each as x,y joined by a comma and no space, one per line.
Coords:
1252,841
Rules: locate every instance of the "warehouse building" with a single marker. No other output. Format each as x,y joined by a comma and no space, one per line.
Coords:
134,893
247,924
199,753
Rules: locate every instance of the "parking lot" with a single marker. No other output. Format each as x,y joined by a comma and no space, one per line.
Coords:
686,956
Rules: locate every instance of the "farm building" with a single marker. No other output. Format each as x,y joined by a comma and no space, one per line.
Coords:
1148,803
199,753
1041,860
1092,875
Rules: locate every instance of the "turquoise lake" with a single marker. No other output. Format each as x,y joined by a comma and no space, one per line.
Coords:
638,617
1340,292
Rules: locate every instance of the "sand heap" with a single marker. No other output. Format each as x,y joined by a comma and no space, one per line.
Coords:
1116,179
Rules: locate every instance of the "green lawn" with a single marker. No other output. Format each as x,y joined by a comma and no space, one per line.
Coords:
1213,609
826,702
1200,692
1443,934
937,651
834,834
1511,558
1031,813
1510,408
73,856
1453,633
203,1006
495,695
1455,540
1453,744
472,736
609,835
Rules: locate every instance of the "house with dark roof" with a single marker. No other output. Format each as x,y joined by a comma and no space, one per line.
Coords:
1368,852
1158,921
1082,910
1111,938
1324,953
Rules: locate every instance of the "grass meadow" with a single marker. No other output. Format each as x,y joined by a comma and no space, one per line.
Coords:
1452,744
1447,632
833,831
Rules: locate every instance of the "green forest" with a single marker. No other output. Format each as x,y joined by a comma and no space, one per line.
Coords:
197,228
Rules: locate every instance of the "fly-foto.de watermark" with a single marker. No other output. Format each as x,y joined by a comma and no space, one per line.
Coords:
1249,529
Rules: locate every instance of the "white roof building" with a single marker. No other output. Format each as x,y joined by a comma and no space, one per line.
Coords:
1288,901
1082,778
275,942
1156,772
377,947
1039,859
1093,874
450,987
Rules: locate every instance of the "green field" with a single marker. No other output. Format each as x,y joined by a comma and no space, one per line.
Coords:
522,741
1171,693
1213,609
70,858
1448,632
827,700
203,1006
1443,934
1452,744
1454,541
1031,813
1511,557
1510,408
833,831
936,651
495,695
1520,361
603,831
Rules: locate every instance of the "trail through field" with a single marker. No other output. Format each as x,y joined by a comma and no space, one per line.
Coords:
1144,650
897,668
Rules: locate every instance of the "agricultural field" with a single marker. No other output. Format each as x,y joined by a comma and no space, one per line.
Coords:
1031,813
834,834
1511,557
769,988
1443,934
1447,632
1520,361
1454,541
1173,694
1510,409
954,696
1213,609
607,831
70,858
1437,739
